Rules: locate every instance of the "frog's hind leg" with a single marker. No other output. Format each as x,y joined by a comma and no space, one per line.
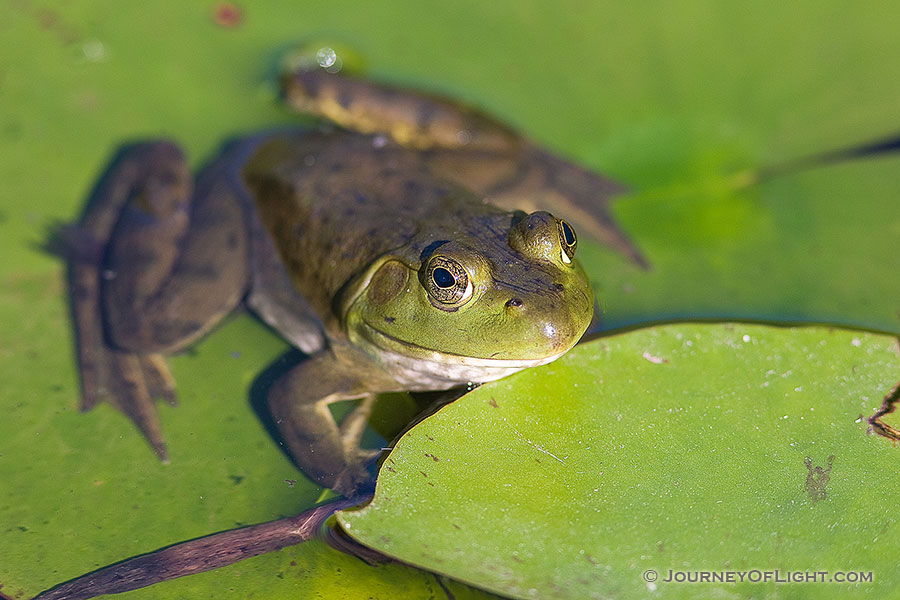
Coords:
127,381
470,148
145,269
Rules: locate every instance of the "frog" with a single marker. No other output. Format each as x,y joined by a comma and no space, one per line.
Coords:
404,243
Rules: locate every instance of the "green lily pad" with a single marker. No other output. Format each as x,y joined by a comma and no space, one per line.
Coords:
815,246
682,448
674,100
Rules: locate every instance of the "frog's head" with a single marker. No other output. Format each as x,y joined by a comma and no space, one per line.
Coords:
492,300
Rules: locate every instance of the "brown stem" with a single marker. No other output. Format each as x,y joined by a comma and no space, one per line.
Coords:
196,556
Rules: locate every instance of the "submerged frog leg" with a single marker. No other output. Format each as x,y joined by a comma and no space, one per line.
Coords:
327,453
534,179
146,275
469,148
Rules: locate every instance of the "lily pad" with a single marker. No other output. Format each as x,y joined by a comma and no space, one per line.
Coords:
664,452
673,100
817,246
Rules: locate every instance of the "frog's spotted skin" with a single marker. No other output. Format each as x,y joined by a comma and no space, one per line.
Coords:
378,256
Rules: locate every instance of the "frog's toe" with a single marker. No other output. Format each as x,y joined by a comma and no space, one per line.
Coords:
130,382
354,424
367,455
358,476
158,378
354,480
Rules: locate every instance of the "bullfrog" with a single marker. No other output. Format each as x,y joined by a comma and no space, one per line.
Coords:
406,244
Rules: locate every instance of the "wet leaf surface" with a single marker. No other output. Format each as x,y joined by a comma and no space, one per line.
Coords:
680,102
688,448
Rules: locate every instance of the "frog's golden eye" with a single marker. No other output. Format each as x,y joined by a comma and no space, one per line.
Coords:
447,282
567,240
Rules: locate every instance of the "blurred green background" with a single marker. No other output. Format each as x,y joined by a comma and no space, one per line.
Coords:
684,102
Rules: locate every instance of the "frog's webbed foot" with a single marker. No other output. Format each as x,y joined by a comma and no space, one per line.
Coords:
469,148
328,453
131,382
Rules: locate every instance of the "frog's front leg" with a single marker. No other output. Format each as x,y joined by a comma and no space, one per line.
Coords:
328,453
153,265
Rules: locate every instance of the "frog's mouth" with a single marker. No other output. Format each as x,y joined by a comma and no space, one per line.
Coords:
387,342
425,368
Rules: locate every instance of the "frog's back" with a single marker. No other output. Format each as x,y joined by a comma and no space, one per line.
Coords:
335,201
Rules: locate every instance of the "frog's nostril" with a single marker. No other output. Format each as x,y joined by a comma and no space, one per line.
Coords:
514,302
559,287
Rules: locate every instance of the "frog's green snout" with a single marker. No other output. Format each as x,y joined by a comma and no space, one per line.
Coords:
553,318
561,311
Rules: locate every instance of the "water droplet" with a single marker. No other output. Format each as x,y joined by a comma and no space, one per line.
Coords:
326,57
94,51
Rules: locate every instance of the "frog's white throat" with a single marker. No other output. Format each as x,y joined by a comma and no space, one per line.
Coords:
434,370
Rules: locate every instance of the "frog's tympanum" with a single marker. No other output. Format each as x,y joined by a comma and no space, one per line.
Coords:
410,248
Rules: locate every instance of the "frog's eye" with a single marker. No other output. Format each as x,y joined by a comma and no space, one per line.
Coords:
567,240
447,282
